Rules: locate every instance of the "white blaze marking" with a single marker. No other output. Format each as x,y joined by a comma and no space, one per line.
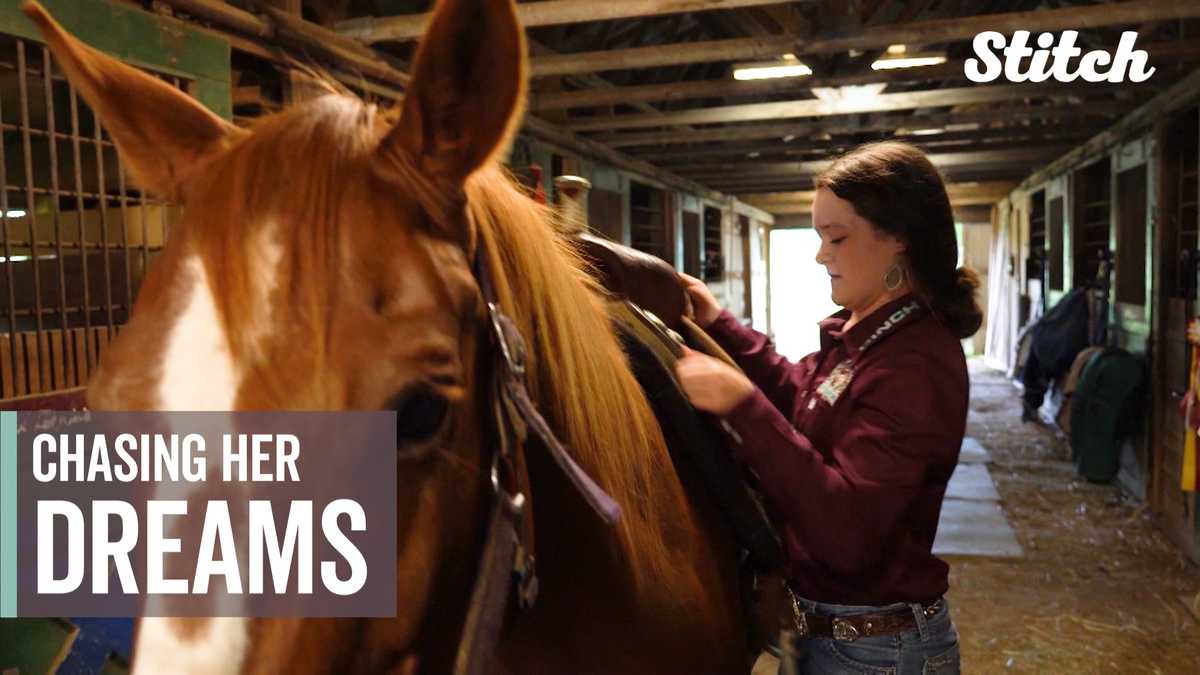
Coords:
199,373
217,650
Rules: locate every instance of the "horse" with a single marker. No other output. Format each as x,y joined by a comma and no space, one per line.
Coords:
324,261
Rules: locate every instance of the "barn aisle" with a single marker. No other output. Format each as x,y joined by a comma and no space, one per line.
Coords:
1099,588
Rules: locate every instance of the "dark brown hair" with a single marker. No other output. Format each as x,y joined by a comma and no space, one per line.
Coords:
897,188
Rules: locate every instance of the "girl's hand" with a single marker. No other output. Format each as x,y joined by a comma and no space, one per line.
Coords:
710,384
705,307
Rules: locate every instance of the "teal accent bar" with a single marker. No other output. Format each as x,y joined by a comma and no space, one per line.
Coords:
8,514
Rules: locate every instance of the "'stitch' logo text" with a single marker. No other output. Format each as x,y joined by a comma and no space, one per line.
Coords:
1059,59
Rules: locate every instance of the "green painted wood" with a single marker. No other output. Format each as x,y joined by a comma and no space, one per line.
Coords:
142,39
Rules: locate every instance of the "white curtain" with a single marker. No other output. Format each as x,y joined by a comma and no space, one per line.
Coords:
1002,295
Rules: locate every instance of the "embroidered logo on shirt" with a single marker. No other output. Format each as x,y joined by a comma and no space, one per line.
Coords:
886,327
839,378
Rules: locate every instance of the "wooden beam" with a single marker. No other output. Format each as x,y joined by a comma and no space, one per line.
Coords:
680,91
546,13
940,160
277,26
1183,92
734,184
588,148
707,51
751,112
982,138
798,208
274,26
984,192
592,81
875,37
1160,54
1008,114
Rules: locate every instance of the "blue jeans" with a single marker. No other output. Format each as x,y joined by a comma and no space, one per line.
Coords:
929,649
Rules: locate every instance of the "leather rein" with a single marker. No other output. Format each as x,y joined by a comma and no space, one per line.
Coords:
506,564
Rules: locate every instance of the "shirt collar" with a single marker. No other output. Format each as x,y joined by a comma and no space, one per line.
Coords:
869,331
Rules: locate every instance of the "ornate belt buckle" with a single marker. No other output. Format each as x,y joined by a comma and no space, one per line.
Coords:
799,617
844,631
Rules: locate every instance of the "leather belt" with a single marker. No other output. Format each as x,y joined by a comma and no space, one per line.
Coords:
851,628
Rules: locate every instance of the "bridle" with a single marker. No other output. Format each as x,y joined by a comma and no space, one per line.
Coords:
507,566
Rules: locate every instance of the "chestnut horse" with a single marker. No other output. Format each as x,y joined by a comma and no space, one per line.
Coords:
314,269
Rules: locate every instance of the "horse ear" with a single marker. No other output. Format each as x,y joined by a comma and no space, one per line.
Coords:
467,90
160,132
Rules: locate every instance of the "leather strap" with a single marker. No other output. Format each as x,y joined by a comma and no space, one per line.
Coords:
493,585
506,566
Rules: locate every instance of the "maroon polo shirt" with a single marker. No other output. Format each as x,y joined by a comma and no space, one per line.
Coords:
853,447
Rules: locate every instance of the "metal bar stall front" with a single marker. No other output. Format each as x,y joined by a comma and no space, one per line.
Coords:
55,205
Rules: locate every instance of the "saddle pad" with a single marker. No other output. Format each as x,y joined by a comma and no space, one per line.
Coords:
694,437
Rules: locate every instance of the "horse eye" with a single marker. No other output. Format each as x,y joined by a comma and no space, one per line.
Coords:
420,414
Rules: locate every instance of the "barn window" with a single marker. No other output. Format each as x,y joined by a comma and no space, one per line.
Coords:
691,243
648,222
77,236
1055,253
1037,236
1131,236
713,265
1091,230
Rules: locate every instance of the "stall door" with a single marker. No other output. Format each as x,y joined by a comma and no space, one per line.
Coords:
1175,294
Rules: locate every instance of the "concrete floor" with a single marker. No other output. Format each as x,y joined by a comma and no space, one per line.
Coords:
1098,588
1092,587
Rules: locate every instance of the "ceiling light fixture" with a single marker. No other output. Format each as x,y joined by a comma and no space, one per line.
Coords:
786,66
897,56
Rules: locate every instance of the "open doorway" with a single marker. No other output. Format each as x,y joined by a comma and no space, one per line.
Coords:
800,291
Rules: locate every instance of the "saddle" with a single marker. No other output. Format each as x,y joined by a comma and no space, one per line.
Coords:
650,306
645,280
640,287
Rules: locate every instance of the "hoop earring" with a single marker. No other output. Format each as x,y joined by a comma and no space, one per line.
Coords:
887,278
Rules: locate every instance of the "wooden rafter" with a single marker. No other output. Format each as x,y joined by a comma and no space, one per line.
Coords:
983,138
835,125
679,91
1161,53
546,13
289,30
961,194
875,37
941,159
752,112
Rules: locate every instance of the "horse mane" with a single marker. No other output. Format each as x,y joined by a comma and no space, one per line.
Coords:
580,375
290,171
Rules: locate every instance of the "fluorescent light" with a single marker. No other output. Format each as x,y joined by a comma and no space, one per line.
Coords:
770,72
896,49
907,62
918,132
15,213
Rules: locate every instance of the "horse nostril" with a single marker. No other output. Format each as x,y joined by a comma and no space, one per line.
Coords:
420,414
